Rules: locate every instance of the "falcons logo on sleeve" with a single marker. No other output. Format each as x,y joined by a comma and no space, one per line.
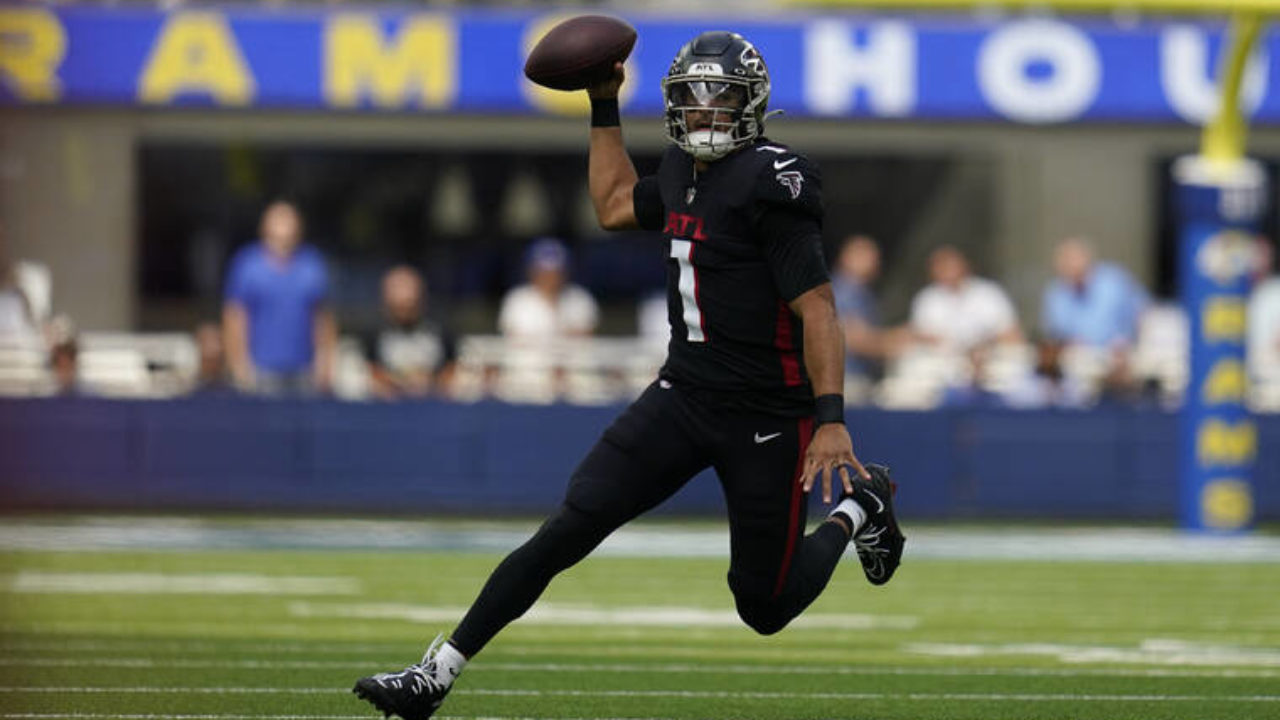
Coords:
792,180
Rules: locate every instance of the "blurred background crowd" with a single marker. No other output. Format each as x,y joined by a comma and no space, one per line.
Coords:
435,248
287,317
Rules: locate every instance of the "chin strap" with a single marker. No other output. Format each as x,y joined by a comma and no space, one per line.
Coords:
773,113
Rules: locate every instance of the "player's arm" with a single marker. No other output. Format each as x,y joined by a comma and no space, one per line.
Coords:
831,448
611,177
788,223
823,341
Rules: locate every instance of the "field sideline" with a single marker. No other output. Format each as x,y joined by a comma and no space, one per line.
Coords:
149,625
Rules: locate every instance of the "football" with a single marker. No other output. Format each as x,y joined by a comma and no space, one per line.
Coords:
579,52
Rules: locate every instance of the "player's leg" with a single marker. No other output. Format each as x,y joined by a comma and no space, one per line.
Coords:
776,571
643,458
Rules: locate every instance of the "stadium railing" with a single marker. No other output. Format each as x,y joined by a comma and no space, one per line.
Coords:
594,371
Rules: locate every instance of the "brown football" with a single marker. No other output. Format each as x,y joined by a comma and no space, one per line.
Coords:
579,52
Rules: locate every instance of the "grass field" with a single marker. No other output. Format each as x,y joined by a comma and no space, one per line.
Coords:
282,633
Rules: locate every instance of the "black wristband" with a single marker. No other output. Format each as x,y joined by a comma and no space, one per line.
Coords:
830,409
604,112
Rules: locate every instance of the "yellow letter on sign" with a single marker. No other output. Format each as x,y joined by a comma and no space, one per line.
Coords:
197,53
1223,319
1226,504
32,45
1227,383
1220,443
419,64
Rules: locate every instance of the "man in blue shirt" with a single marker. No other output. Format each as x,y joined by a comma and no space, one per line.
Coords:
1091,303
280,335
856,268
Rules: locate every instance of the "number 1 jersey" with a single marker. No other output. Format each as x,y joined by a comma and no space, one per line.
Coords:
742,240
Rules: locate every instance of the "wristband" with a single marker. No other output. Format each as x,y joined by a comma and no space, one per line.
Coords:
604,112
830,409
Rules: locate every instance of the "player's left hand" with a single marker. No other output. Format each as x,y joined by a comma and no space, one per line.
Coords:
830,454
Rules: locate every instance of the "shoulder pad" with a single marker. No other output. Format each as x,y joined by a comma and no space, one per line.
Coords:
787,179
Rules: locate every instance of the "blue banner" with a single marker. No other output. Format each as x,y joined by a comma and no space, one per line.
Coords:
1219,211
1026,70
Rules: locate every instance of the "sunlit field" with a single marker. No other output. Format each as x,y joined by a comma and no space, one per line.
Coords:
128,619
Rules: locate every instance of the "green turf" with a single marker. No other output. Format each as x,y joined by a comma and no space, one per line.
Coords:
1152,641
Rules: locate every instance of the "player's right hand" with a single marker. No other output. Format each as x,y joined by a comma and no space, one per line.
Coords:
608,88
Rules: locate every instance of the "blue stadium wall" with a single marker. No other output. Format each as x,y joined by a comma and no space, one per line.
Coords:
244,454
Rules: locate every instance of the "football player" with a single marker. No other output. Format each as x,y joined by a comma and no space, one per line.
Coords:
751,386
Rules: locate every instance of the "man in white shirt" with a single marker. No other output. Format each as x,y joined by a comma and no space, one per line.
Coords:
548,307
1263,344
960,312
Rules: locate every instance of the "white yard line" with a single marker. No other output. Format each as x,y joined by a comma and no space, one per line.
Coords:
480,666
39,582
700,694
187,647
1153,651
550,614
642,539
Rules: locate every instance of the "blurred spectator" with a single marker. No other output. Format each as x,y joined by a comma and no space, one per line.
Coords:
280,335
1263,341
548,306
211,373
17,322
653,325
867,343
1048,386
958,311
64,357
975,392
29,279
410,356
1089,302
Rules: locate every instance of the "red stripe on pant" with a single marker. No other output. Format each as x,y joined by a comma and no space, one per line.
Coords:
796,514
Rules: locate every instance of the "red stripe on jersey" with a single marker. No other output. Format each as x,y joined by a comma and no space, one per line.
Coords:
784,341
805,428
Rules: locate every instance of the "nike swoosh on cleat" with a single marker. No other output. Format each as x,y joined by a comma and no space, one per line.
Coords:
779,164
766,438
877,499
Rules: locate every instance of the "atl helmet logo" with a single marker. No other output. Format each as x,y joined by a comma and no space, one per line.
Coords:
706,68
792,180
751,60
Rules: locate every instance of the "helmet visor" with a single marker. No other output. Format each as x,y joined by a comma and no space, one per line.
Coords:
708,94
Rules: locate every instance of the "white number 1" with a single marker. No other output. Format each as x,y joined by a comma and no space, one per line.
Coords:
682,251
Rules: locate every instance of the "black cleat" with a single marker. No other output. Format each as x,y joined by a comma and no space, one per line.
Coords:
879,542
413,693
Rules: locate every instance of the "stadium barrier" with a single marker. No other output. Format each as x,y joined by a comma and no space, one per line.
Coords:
248,454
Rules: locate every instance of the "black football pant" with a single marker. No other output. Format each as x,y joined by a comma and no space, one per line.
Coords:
649,452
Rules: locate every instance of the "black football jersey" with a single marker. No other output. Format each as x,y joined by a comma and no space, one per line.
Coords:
742,239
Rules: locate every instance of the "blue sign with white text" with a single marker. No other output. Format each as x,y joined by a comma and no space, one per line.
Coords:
1025,70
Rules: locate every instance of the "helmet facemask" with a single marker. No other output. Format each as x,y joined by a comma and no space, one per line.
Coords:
710,115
